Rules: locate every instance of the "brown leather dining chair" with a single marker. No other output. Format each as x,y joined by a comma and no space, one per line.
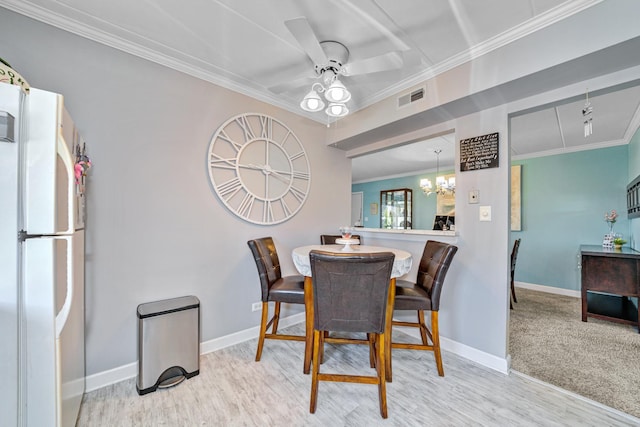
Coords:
276,288
514,257
330,239
423,295
351,294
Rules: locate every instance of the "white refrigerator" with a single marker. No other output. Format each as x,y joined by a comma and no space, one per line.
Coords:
42,322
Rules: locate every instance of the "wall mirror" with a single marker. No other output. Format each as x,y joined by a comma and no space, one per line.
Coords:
405,166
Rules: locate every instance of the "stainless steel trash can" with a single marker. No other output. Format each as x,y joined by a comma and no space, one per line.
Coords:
168,342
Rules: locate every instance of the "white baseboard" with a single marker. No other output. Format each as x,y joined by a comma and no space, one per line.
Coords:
485,359
121,373
548,289
125,372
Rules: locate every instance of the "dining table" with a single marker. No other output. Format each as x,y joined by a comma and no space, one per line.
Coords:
401,265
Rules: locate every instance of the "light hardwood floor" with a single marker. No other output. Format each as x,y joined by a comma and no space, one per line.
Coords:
234,390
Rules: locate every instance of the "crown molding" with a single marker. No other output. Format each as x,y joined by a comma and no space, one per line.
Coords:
245,87
216,77
557,151
541,21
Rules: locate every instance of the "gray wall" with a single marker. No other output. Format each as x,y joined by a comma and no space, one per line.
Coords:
155,227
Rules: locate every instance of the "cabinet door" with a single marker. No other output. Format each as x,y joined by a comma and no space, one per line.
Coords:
395,209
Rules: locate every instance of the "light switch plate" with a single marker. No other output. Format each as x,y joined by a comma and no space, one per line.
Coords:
485,213
474,196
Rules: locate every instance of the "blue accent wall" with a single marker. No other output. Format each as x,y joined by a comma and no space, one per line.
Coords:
564,199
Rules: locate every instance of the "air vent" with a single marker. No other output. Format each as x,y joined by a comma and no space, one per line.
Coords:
411,97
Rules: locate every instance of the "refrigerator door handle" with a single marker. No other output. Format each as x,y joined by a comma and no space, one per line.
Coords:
67,160
63,314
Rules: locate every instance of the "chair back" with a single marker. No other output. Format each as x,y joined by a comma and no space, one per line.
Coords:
434,264
266,258
330,239
514,256
350,291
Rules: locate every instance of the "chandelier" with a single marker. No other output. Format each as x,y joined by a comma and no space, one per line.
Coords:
442,184
334,91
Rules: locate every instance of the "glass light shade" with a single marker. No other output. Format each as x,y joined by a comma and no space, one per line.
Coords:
337,93
337,110
312,102
426,185
452,182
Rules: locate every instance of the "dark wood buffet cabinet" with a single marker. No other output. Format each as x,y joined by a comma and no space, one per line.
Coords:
609,279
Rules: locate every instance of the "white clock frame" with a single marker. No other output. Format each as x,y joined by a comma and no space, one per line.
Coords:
259,168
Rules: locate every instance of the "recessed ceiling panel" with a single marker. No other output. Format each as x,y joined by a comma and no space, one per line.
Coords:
611,116
538,131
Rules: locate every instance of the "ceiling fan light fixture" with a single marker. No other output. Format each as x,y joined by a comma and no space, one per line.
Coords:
337,93
336,110
312,102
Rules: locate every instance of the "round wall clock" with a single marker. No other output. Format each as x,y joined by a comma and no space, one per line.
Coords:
259,168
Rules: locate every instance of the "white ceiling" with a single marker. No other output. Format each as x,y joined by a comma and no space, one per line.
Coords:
245,45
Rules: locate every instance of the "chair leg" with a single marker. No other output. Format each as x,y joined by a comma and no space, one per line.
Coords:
513,291
276,318
435,336
423,327
372,350
380,368
263,329
386,341
314,372
308,308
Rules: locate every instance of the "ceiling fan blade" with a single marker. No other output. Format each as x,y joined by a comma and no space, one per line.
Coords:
292,84
388,61
305,36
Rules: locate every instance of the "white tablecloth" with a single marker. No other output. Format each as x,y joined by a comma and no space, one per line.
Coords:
401,264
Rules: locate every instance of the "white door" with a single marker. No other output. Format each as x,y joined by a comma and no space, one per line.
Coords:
356,209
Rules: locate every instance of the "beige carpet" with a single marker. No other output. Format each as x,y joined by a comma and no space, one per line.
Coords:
596,359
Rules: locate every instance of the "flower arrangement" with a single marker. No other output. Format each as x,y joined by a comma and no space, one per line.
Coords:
610,218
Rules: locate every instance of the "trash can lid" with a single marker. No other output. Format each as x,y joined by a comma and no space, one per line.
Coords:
166,306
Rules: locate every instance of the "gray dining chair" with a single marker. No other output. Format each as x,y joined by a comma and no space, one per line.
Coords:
351,294
274,288
424,294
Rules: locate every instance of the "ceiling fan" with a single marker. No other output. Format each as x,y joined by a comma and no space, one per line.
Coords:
331,60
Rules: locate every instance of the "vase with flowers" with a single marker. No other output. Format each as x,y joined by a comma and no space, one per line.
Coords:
610,218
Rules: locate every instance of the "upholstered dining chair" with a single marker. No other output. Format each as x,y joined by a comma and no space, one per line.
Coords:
514,257
423,295
330,239
276,288
351,294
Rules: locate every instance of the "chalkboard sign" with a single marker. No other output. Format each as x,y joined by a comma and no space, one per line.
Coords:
480,152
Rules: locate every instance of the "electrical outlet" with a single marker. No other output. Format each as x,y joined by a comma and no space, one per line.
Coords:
256,306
